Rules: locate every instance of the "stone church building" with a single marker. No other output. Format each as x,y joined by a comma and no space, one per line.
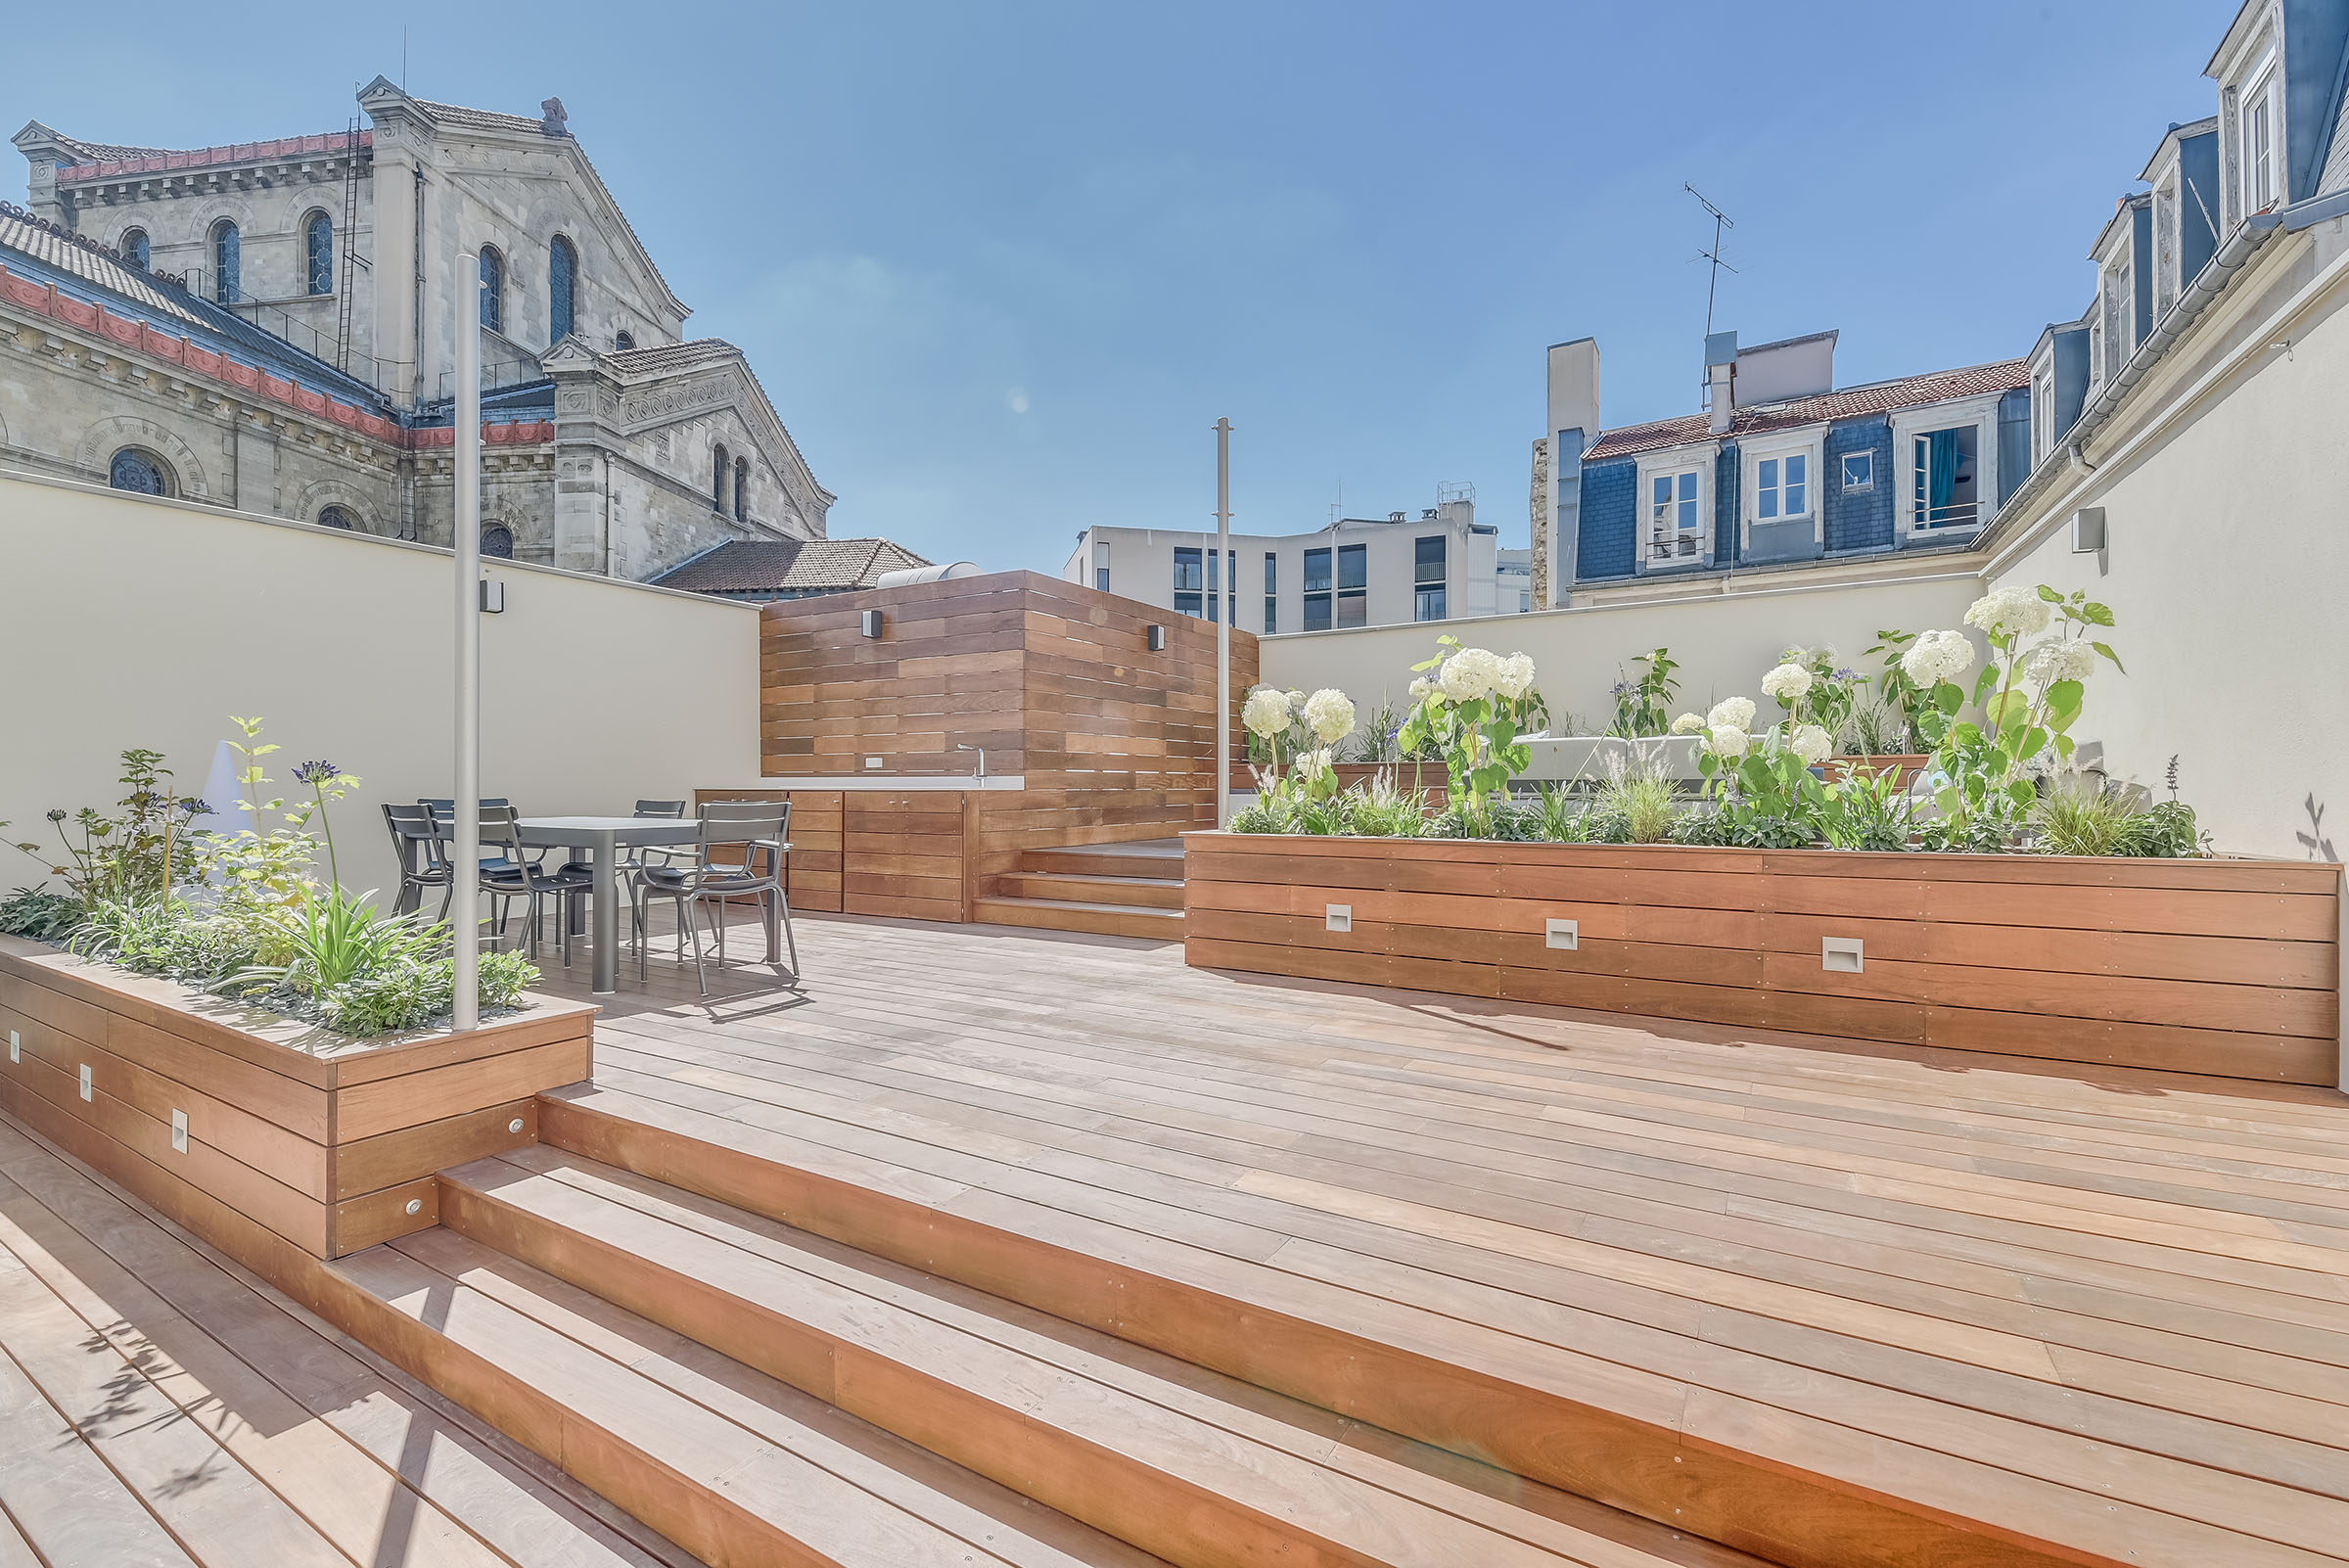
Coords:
273,326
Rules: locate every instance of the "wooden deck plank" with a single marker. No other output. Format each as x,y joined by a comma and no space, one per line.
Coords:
2123,1258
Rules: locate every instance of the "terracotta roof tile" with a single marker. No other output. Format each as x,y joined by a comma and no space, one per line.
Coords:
790,566
108,161
1884,397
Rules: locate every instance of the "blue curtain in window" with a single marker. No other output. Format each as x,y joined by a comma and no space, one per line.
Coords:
562,270
318,247
493,290
227,263
1941,466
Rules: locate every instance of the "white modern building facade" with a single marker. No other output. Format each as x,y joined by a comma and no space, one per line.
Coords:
1358,572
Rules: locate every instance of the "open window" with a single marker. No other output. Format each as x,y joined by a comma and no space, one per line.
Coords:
1945,484
1675,524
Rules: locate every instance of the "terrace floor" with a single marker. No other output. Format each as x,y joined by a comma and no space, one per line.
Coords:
2105,1312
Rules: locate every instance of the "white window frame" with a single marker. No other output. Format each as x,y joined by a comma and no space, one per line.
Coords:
1807,443
1908,424
1675,462
2261,111
1843,485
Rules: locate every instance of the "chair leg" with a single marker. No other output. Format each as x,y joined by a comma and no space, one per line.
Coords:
449,900
684,917
790,942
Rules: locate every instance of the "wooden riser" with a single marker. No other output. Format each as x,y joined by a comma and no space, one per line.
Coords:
1193,1467
729,1464
1105,861
1791,1490
1133,891
1101,919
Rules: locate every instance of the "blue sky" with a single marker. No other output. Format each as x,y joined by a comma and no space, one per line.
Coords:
1001,270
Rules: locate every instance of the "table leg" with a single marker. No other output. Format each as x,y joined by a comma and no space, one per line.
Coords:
607,917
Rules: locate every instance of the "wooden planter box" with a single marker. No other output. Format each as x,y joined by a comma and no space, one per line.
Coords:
2230,968
321,1139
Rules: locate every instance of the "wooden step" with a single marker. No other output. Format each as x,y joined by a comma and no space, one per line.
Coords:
1667,1420
727,1462
1137,892
1062,914
1149,857
1197,1468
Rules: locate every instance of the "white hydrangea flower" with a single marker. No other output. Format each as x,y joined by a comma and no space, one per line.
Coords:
2060,660
1266,711
1730,742
1937,655
1825,654
1787,684
1312,766
1469,675
1812,744
1732,713
1688,724
1421,686
1516,676
2012,609
1330,714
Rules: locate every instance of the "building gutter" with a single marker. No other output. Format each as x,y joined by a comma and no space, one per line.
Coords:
2008,537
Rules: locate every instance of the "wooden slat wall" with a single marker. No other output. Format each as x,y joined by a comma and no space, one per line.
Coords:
325,1150
2229,968
1054,679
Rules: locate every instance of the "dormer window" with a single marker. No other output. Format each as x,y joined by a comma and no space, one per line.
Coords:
2259,146
1859,472
1672,492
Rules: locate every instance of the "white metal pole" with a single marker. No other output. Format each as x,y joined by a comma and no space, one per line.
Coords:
464,859
1231,608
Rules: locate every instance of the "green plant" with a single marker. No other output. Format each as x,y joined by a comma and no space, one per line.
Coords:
1762,787
1901,695
410,992
1814,687
1643,801
1273,716
1877,728
165,937
1643,705
1380,809
1473,705
1869,808
138,854
2029,695
332,939
1563,819
40,914
254,870
2079,816
1264,814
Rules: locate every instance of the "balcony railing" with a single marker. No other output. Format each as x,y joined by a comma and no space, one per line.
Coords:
1955,515
1671,544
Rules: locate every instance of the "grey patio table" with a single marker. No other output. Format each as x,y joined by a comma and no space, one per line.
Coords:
602,837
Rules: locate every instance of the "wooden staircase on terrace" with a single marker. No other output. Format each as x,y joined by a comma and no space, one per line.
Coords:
1114,890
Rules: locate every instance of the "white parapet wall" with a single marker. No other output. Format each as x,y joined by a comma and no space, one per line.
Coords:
1723,639
127,620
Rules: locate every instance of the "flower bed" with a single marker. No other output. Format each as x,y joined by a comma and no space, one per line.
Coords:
226,1117
2229,968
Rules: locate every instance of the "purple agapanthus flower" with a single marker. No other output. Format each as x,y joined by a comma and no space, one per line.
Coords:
317,773
195,805
57,814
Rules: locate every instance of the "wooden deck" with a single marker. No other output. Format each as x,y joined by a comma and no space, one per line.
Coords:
1826,1306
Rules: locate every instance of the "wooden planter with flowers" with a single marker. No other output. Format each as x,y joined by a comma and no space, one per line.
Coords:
2224,967
246,1127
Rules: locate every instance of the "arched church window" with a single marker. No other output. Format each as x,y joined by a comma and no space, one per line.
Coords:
494,289
228,261
717,484
139,472
338,517
742,486
318,252
623,341
497,542
134,248
562,278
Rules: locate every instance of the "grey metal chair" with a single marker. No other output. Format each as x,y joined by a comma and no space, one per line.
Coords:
631,857
514,874
760,832
416,841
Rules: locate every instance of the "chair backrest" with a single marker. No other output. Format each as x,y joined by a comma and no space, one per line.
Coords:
662,808
444,811
501,829
742,825
413,824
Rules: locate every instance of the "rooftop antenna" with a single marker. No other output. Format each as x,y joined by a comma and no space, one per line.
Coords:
1721,221
403,60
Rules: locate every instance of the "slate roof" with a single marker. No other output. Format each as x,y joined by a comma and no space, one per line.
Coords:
668,358
87,271
752,567
1878,397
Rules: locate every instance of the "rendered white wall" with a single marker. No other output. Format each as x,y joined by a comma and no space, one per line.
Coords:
1722,642
2229,572
130,621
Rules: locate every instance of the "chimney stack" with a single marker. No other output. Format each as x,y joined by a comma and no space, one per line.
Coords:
1720,374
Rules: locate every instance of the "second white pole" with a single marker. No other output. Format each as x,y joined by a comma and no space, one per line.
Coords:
1222,567
465,858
